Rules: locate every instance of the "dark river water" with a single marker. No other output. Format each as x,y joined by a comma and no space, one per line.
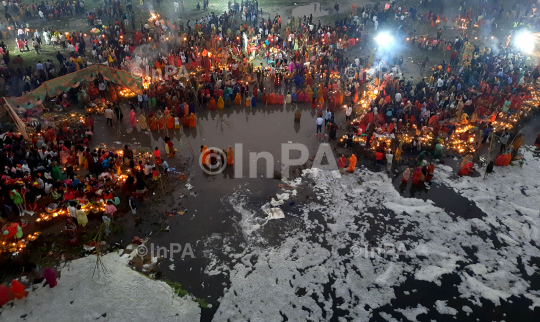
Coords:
210,218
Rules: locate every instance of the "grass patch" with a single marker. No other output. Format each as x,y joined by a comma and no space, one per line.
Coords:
178,290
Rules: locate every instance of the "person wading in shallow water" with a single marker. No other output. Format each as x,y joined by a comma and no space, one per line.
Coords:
230,156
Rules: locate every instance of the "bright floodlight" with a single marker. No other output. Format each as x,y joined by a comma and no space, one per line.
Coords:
525,41
384,39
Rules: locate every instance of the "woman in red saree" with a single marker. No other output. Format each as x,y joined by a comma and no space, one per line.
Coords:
4,295
17,289
300,96
430,172
281,99
418,177
50,276
308,95
133,118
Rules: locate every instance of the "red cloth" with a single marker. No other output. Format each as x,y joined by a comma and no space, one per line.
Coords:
4,295
465,169
17,289
417,176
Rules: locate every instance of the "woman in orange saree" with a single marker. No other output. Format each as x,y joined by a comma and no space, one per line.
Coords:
170,121
112,91
192,120
230,156
205,155
161,123
352,163
153,123
185,121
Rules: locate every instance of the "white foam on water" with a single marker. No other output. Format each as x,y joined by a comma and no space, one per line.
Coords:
288,280
412,312
444,309
121,293
388,317
509,197
534,298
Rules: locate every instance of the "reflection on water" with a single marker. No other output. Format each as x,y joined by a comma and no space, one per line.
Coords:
258,129
313,9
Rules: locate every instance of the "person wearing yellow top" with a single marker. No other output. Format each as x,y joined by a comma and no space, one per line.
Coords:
81,216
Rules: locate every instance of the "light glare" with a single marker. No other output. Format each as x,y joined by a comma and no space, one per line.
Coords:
525,41
384,39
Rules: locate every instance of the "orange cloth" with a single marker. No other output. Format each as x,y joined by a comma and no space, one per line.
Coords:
153,123
185,121
192,120
230,156
170,122
352,163
205,155
507,159
161,123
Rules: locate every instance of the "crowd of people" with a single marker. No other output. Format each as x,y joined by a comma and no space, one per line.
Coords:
306,62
